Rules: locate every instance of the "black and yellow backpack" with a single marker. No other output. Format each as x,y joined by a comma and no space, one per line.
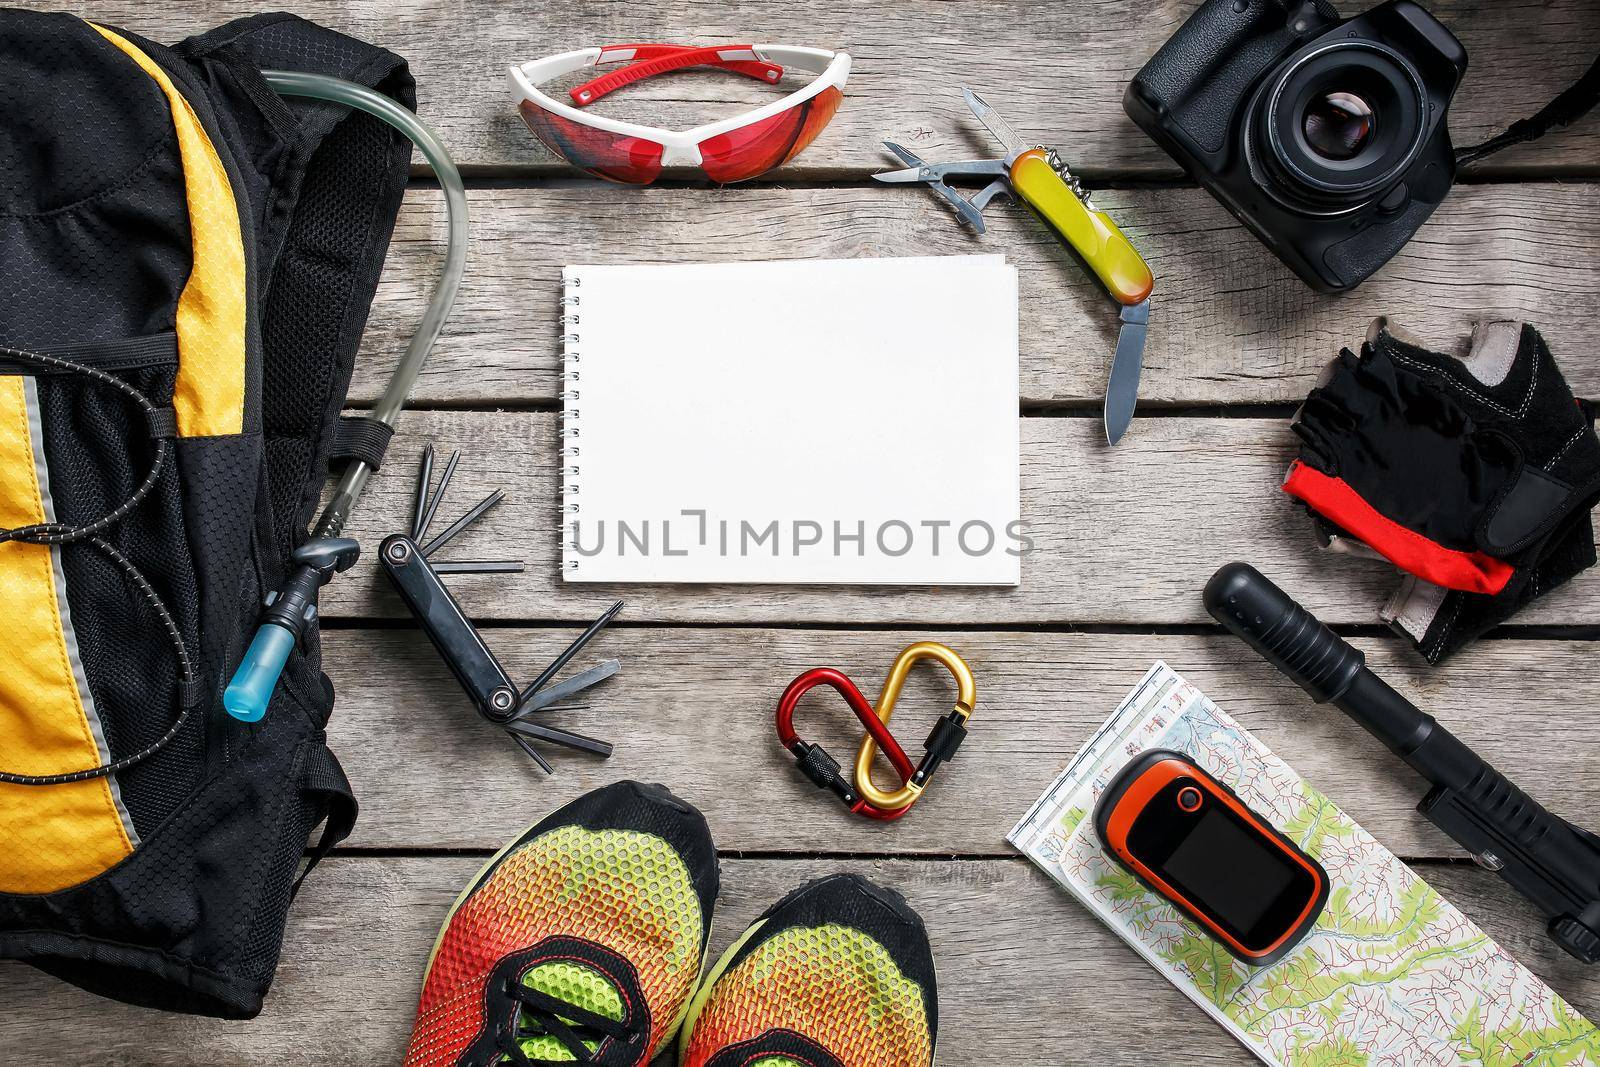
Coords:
186,266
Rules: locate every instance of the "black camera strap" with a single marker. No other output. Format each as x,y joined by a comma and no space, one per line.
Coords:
1562,111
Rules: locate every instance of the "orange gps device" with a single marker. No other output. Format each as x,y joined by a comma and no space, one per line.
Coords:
1188,838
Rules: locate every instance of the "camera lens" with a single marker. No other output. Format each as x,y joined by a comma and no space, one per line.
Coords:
1338,125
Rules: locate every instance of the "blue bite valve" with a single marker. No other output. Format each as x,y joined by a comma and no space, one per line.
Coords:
283,621
247,695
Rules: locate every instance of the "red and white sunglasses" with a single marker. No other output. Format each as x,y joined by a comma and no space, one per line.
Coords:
732,150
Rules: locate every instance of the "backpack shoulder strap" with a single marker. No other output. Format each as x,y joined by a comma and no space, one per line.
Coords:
336,181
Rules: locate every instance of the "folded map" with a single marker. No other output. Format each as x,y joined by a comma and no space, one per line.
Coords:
1392,973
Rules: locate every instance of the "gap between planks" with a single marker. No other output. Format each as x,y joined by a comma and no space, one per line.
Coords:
693,708
1126,536
1510,251
1057,71
1423,863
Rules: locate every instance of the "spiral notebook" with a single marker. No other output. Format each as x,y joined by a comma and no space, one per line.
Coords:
815,421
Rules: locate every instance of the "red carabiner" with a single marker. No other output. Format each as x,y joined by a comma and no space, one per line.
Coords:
814,761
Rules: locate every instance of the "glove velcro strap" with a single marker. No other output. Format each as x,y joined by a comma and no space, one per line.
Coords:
1439,622
1538,502
1531,505
1335,500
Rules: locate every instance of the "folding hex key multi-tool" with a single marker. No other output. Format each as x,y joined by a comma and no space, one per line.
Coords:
407,560
1040,177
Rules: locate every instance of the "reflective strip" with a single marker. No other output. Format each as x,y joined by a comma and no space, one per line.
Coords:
209,392
69,633
51,836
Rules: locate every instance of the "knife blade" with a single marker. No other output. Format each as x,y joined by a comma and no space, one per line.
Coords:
997,126
904,155
1122,388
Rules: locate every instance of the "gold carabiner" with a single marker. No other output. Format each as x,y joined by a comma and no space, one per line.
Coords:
946,737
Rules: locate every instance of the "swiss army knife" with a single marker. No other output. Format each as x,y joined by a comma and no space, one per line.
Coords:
1040,177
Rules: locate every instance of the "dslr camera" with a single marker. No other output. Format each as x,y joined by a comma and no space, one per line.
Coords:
1326,137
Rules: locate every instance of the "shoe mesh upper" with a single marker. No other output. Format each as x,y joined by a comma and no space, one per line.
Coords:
626,891
833,984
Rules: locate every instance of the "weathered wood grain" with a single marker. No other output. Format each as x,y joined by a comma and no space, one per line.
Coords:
1057,70
694,708
1123,535
1230,323
1027,977
1126,537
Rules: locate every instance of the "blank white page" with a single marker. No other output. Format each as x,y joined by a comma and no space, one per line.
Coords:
818,421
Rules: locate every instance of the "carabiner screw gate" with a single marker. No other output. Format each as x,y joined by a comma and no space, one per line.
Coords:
862,796
813,760
943,741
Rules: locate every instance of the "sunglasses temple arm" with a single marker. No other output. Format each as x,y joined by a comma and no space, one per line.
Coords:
659,59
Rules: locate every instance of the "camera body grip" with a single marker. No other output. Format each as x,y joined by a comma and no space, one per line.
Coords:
1230,95
1186,96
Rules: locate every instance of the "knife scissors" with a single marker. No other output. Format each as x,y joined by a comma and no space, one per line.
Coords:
1042,179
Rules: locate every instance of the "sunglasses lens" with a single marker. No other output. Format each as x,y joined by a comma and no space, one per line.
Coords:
613,156
741,154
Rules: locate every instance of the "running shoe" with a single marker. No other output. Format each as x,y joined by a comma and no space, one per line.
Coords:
581,942
837,974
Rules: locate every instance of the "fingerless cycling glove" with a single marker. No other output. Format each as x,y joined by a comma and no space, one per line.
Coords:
1474,476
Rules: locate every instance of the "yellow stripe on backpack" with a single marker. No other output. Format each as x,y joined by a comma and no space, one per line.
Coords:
59,835
209,393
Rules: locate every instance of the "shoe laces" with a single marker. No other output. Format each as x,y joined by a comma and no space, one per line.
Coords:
574,1028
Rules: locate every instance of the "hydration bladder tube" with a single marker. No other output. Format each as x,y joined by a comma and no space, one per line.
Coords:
251,688
387,409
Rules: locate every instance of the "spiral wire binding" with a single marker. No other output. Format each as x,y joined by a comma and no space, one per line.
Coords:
58,533
571,359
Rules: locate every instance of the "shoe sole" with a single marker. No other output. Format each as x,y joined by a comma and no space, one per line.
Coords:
697,1003
652,791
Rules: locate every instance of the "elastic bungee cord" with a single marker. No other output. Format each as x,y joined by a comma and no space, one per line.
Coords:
160,420
58,533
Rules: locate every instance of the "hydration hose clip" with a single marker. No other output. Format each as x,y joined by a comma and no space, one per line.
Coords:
284,618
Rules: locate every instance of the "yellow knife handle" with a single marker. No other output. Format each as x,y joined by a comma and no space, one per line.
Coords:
1109,254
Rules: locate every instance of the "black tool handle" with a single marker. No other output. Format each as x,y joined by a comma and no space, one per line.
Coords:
1550,861
492,691
1333,671
1292,640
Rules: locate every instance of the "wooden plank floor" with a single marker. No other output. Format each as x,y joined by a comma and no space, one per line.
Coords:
1126,537
1233,330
